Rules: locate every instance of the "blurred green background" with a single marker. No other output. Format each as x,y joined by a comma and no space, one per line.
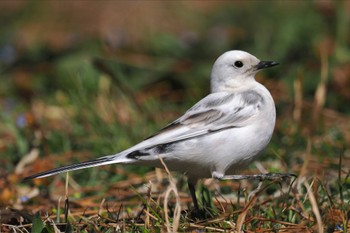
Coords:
82,79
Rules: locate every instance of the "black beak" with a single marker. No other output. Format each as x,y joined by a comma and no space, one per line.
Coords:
266,64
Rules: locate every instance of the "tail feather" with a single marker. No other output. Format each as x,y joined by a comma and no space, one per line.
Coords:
92,163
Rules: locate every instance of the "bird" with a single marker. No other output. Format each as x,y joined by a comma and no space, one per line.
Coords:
221,134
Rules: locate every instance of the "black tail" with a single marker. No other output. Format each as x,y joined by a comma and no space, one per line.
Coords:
93,163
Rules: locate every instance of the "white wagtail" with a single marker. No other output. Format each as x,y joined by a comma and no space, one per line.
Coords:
215,138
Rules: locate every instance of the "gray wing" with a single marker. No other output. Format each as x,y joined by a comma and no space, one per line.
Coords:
217,111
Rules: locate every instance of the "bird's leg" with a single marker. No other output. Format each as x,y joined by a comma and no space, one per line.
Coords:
265,176
191,187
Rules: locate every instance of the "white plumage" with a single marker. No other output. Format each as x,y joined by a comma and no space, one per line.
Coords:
222,133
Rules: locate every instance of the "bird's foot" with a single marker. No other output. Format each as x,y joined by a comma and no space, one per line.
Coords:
260,177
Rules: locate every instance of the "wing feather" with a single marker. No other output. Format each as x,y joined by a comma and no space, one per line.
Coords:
217,111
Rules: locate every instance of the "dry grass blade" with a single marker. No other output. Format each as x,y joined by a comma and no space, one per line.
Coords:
58,210
29,158
53,225
321,91
307,157
210,229
298,97
253,196
315,208
280,222
177,212
100,209
14,228
146,210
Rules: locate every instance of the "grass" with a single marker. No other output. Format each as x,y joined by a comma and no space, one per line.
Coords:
91,96
275,206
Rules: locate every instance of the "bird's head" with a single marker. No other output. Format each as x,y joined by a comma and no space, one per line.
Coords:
235,68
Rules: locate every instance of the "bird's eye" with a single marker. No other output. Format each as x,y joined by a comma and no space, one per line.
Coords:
238,64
